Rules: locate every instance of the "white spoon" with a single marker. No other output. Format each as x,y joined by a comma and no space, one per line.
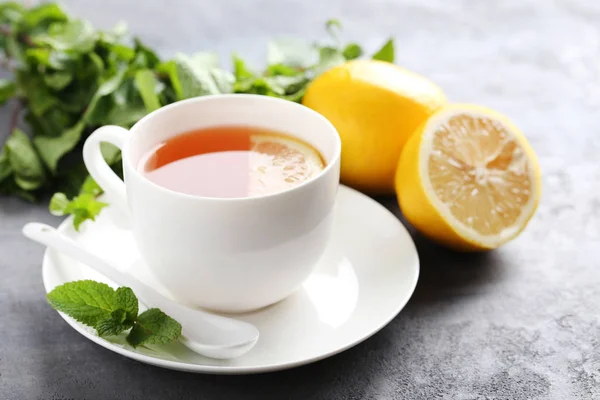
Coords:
207,334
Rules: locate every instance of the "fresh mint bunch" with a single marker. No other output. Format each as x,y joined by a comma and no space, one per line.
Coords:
111,312
70,78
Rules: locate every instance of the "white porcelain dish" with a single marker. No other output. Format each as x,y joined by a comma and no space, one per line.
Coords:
367,275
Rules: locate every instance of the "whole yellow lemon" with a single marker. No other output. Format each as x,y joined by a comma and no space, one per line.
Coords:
375,106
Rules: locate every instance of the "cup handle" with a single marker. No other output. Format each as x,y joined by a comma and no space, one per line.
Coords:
110,182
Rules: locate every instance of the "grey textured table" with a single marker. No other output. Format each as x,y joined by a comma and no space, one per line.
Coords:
517,323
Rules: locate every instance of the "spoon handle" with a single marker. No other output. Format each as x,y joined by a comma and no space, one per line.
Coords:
50,237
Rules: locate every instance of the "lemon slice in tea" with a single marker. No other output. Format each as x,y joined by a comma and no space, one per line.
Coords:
280,162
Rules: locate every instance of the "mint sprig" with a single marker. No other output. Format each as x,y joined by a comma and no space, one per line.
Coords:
153,327
84,206
112,312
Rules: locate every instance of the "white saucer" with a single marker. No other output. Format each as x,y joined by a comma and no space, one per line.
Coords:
365,278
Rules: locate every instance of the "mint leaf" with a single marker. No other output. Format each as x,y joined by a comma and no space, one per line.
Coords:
39,98
42,16
126,300
90,186
92,64
126,93
115,323
86,301
154,327
49,58
123,116
169,69
58,80
58,204
198,79
223,80
85,201
292,52
122,52
240,70
147,84
124,315
106,88
76,35
27,167
84,207
282,69
144,56
329,57
386,53
11,12
282,85
52,149
352,51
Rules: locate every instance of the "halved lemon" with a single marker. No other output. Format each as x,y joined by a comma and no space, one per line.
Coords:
468,179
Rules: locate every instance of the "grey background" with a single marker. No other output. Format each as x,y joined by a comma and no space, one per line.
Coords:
517,323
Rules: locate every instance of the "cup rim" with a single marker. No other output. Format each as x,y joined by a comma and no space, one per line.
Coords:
200,99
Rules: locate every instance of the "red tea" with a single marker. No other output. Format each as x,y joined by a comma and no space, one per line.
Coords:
231,161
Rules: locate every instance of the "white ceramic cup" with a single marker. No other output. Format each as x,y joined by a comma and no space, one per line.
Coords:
224,254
